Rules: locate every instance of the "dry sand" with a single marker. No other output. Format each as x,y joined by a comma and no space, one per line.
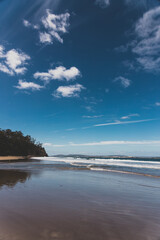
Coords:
11,158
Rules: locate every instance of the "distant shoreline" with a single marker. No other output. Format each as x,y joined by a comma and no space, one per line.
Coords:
107,156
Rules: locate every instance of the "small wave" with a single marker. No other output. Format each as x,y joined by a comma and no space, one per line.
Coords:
107,162
123,172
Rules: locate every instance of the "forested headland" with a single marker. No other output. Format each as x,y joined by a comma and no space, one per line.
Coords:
16,144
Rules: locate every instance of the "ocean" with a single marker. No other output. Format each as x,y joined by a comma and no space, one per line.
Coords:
142,166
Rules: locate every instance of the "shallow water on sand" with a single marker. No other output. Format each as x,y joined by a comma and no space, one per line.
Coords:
43,200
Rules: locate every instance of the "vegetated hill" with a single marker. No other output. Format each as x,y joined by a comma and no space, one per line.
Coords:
16,144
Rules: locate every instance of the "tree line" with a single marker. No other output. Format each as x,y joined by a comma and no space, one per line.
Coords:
16,144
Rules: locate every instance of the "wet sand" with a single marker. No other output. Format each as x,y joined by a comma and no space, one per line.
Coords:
42,202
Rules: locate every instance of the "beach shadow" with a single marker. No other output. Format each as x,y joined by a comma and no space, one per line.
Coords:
10,178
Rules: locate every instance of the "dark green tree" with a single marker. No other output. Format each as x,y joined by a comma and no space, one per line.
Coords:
16,144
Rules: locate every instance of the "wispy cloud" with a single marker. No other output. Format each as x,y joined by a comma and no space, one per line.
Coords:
116,143
102,3
51,27
26,23
70,129
13,61
47,144
68,91
53,145
89,108
107,90
141,3
130,3
147,47
102,143
59,73
157,104
130,116
125,82
93,116
123,122
23,85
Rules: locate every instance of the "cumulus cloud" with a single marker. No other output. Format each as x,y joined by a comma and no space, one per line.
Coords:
45,37
102,3
59,73
56,24
68,91
23,85
13,61
147,47
51,27
125,82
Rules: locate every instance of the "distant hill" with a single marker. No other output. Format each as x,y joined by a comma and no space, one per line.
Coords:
16,144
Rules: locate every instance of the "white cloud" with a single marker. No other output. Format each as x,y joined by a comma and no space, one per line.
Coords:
13,61
94,116
56,24
102,3
26,23
89,108
124,81
23,85
51,27
59,73
122,122
116,143
130,115
5,69
157,104
45,37
70,129
52,145
68,91
1,51
101,143
147,47
47,144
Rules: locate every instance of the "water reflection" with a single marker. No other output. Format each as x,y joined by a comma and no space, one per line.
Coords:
10,178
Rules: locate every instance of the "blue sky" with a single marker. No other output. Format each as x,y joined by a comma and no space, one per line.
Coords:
82,76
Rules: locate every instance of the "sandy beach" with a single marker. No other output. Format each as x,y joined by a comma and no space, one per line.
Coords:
43,201
12,158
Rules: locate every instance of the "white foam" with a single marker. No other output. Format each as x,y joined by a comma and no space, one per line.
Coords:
105,162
